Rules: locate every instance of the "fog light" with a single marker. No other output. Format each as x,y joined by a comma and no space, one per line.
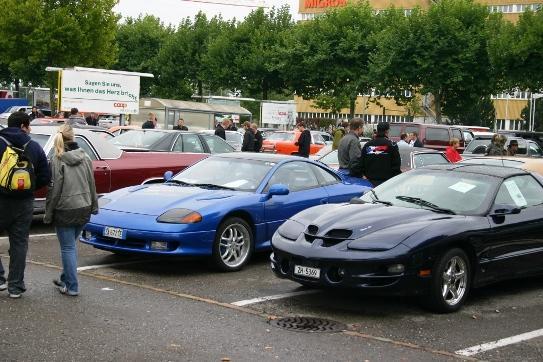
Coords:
86,235
159,245
396,269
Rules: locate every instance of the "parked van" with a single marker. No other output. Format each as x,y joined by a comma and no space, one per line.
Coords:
433,136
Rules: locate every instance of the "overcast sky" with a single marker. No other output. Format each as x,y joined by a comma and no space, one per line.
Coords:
172,11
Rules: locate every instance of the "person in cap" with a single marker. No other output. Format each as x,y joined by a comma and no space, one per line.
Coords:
380,158
512,148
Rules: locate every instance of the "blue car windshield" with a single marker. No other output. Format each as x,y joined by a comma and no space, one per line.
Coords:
461,192
235,173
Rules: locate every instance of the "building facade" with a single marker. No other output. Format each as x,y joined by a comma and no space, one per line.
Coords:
508,106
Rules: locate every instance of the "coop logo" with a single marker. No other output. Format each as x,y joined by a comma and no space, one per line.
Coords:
324,3
120,105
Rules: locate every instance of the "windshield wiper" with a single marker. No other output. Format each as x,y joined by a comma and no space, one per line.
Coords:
376,199
213,186
428,204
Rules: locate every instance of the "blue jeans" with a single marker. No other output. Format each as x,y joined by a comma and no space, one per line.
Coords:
67,237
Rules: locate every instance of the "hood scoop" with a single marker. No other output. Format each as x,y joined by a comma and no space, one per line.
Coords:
331,238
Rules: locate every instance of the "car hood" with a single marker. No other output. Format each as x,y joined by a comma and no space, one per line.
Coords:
156,199
369,226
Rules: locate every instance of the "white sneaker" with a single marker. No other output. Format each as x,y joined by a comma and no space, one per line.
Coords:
15,295
3,286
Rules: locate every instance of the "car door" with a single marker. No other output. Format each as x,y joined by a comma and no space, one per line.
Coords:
515,246
336,190
188,142
102,171
305,192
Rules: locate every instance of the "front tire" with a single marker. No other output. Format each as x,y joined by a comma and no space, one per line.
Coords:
233,245
451,282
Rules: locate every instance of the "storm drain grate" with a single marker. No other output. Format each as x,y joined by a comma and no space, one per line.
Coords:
308,324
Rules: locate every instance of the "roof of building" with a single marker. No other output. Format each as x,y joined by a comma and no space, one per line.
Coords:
197,107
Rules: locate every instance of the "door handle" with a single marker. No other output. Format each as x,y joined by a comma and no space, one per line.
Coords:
101,167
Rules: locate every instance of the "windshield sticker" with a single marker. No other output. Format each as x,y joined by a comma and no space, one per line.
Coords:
462,187
515,193
236,183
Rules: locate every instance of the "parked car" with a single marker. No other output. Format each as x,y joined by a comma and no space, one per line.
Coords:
113,168
170,141
233,138
266,131
284,142
432,136
527,135
438,231
534,165
526,148
117,130
225,207
5,115
327,137
328,148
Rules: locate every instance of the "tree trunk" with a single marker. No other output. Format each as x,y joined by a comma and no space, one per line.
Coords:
200,91
52,87
437,104
17,87
352,105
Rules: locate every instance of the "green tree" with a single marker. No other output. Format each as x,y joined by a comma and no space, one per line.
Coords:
140,41
327,58
247,57
479,113
443,52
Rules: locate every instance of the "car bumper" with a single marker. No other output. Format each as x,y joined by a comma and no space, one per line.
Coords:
197,243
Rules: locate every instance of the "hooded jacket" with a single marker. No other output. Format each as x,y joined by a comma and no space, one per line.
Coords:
18,138
71,197
379,161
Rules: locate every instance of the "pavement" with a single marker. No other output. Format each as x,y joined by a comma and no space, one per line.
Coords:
142,308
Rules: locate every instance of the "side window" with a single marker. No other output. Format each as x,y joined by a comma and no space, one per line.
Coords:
217,144
395,131
457,134
317,139
535,150
520,191
296,175
437,134
86,147
325,177
411,129
191,143
178,146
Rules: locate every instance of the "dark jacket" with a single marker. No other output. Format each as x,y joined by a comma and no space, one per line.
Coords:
418,143
303,143
220,131
349,151
180,128
91,121
33,150
380,160
258,141
148,124
248,141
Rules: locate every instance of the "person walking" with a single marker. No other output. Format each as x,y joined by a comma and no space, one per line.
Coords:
402,142
258,137
221,128
339,133
248,138
181,125
71,198
150,123
304,141
92,120
349,149
34,113
415,141
380,158
496,147
452,151
17,206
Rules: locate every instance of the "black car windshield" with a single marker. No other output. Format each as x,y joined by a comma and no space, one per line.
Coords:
234,173
460,192
137,138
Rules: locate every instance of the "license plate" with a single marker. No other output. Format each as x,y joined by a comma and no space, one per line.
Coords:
306,271
113,232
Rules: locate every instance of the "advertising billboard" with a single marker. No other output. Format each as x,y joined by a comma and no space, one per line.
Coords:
102,92
278,113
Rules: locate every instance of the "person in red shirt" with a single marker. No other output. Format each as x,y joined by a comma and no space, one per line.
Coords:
452,152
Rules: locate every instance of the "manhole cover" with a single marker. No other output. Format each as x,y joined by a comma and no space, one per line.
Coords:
308,324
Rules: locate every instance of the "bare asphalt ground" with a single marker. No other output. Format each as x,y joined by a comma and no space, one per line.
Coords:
139,308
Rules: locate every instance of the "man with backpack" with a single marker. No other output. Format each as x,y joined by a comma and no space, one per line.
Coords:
23,169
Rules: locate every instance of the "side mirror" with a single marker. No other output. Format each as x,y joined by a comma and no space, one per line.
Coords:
168,175
502,210
276,190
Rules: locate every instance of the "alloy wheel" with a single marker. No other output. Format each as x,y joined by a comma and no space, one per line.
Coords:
234,245
454,281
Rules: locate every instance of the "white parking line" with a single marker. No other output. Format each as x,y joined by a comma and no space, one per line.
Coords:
32,236
242,303
98,266
500,343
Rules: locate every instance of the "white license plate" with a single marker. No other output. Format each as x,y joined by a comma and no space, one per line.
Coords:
113,232
306,271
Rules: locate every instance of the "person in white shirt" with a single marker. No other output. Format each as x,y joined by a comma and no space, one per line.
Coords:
402,142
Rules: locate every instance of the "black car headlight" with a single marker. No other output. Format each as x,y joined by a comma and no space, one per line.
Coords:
180,216
291,229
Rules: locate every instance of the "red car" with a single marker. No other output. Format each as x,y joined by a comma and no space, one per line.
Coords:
285,142
114,168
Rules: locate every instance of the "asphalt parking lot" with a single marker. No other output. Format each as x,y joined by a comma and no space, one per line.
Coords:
140,308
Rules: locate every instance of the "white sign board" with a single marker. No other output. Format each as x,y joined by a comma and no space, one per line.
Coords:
100,92
278,113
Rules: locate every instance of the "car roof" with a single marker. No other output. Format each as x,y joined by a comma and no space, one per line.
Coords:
424,124
496,171
258,156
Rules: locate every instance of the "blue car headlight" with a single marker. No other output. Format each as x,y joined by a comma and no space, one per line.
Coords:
291,229
180,216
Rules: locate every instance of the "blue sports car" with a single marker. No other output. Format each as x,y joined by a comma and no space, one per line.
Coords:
226,206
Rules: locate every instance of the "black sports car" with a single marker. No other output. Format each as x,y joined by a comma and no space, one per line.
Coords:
437,231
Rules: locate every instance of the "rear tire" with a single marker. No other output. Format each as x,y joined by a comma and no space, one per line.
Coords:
233,246
451,282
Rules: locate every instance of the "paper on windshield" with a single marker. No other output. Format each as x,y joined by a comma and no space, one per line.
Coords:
515,193
236,183
462,187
